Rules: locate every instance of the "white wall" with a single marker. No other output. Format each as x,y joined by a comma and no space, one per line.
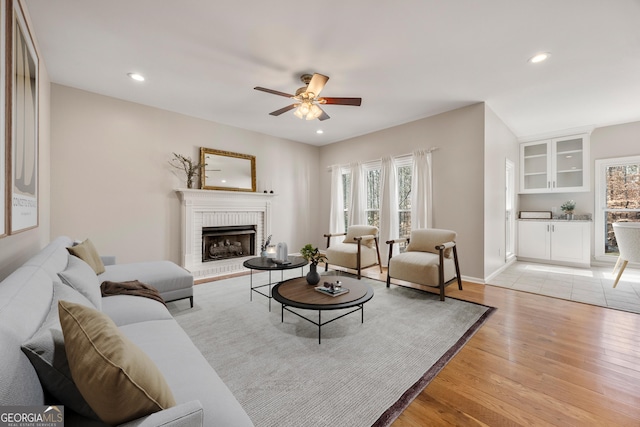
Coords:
111,180
500,144
458,170
16,249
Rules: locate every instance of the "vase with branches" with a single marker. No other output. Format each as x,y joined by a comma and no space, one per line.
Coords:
188,166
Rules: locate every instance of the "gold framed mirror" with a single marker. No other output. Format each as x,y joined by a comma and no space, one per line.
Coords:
224,170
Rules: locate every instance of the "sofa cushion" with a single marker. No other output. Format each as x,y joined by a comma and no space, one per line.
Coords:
426,240
87,252
118,380
171,280
346,255
45,350
127,309
83,279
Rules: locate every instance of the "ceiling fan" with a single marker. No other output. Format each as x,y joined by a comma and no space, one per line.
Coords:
308,97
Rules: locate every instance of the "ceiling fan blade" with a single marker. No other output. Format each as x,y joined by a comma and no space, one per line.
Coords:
342,101
275,92
323,116
317,83
284,110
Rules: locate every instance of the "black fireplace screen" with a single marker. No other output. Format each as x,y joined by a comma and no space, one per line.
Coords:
226,242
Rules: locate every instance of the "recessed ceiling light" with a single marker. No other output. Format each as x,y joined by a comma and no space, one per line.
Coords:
319,131
539,57
137,77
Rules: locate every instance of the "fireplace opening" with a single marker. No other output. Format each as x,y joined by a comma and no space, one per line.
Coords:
226,242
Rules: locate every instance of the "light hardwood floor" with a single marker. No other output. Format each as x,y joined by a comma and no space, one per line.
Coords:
537,361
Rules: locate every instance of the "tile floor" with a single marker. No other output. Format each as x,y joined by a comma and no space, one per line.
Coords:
591,286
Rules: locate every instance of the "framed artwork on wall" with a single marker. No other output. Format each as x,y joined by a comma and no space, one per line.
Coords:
24,125
3,134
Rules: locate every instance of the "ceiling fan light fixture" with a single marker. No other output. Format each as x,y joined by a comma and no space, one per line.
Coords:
314,112
298,114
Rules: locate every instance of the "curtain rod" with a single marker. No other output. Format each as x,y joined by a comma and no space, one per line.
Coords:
428,150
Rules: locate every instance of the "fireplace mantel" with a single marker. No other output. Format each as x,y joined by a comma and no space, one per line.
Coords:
206,208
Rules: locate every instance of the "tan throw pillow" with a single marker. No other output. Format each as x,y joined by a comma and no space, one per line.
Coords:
88,253
116,378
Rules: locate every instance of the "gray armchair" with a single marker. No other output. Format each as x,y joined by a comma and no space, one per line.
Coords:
431,259
358,250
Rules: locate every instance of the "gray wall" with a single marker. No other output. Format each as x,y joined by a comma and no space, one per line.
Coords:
500,144
111,180
458,171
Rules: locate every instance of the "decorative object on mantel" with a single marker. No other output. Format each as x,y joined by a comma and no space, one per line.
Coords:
314,256
186,165
263,248
568,207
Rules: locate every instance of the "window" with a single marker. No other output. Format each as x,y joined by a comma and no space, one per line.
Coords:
405,169
372,185
617,199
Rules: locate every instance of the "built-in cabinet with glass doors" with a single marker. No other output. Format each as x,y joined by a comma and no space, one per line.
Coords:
557,165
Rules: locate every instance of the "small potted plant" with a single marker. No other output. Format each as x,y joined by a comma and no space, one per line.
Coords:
314,257
568,207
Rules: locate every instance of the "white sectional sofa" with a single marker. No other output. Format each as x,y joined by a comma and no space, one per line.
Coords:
28,318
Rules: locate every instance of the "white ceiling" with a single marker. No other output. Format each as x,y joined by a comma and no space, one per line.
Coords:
407,59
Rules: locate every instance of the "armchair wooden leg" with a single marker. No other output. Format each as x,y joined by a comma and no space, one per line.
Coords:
441,273
359,255
378,252
388,279
455,260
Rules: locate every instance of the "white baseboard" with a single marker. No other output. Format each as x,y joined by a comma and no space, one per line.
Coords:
472,279
500,270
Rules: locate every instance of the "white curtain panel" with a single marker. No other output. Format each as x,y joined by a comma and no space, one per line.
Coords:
388,207
421,191
336,219
357,206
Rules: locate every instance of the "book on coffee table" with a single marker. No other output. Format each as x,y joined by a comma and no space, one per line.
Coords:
328,291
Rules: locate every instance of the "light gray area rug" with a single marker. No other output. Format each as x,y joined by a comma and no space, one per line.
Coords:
362,374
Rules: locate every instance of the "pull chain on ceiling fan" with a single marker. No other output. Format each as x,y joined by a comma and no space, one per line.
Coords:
308,98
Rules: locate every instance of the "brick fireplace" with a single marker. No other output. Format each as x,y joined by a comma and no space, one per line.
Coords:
217,229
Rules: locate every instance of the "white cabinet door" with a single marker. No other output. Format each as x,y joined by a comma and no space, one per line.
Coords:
534,239
535,167
570,242
558,165
570,164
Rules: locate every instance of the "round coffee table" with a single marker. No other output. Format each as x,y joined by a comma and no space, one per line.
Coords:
298,293
267,264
